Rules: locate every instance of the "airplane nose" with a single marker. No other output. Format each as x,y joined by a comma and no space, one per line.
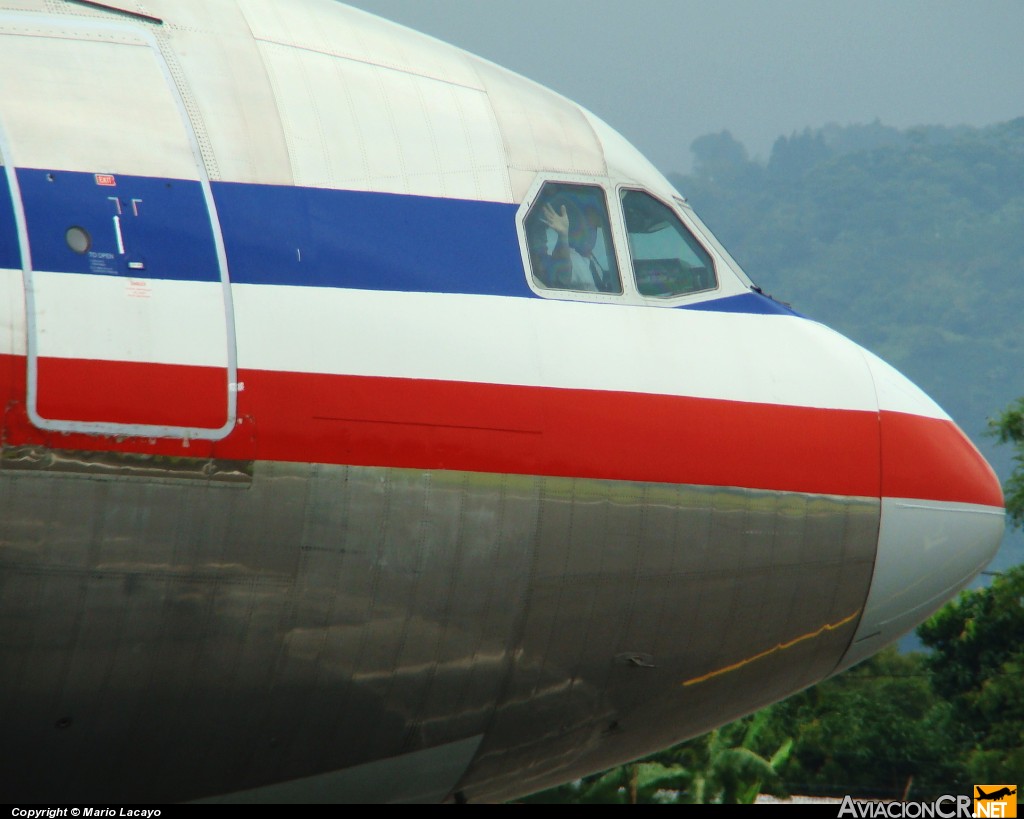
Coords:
942,515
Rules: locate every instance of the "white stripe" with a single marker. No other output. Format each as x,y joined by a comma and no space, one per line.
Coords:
898,393
501,340
535,342
12,312
113,318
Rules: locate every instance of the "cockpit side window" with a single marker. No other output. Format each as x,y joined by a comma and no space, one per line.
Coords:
667,259
570,241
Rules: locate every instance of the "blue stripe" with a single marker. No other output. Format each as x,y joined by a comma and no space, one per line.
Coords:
371,241
164,225
10,253
746,303
284,235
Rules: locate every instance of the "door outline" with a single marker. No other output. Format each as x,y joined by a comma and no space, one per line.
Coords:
32,343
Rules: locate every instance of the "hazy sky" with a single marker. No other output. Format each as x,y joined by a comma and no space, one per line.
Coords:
664,72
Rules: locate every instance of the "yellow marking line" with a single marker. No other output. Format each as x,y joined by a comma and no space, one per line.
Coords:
780,647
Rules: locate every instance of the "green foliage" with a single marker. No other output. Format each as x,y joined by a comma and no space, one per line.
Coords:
1009,428
977,664
638,783
737,774
720,767
870,731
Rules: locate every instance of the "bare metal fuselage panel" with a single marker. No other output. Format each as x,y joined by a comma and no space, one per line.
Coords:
210,636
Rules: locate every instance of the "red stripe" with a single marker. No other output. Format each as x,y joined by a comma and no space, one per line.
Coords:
580,433
126,392
503,429
545,431
931,458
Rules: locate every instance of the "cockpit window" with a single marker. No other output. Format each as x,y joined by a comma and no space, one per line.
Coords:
569,240
667,260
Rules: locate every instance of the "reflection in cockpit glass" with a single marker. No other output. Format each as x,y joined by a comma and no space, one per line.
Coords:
667,259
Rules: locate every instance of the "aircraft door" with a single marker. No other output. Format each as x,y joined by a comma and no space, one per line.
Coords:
129,320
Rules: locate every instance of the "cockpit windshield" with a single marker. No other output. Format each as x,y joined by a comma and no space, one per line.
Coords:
667,259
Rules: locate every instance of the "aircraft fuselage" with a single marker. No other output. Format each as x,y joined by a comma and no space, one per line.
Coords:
313,487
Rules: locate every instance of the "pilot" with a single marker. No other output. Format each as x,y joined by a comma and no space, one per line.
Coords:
571,264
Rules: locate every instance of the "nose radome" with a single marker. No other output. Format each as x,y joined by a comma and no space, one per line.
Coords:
942,513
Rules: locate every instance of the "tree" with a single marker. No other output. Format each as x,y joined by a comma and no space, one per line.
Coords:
795,155
872,731
1009,429
721,160
722,766
714,153
725,768
977,664
638,783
